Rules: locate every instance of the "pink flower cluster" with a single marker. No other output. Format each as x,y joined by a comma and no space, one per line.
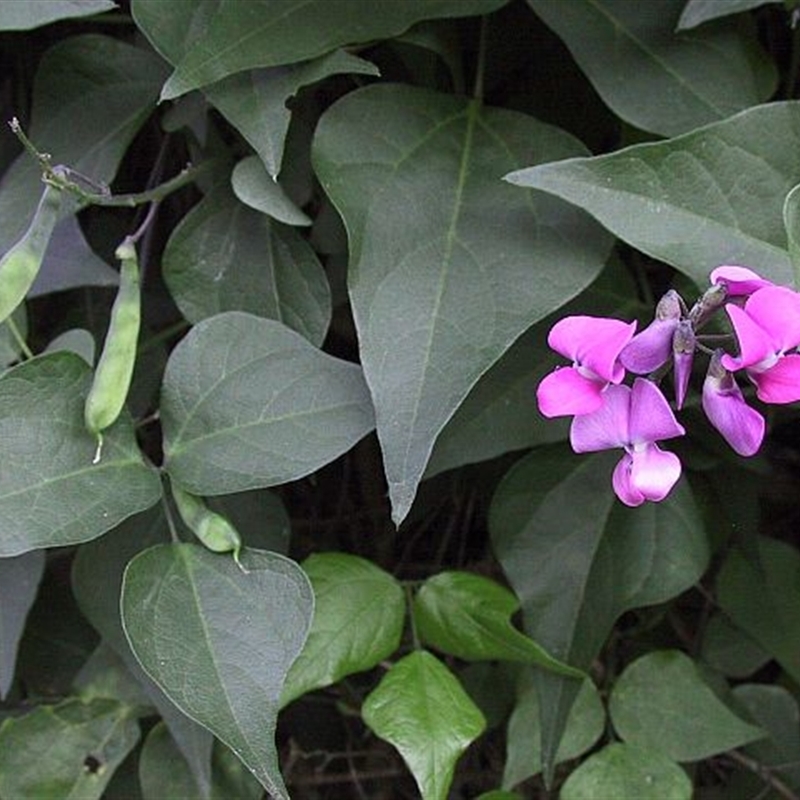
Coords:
765,319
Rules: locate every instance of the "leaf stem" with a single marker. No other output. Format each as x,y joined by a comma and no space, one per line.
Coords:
19,338
477,92
409,592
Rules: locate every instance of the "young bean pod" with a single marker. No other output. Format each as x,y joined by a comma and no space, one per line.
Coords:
112,377
20,265
211,528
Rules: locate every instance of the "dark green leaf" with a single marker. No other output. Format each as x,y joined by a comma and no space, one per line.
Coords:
219,640
447,267
234,37
420,708
791,220
469,616
650,76
20,15
255,101
661,703
763,599
19,580
585,725
223,256
359,611
50,491
248,403
577,559
714,196
65,751
730,650
255,187
104,675
622,770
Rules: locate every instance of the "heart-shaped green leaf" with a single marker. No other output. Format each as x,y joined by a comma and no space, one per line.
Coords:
255,187
622,770
420,708
696,12
51,494
656,79
661,703
219,640
469,616
447,266
577,559
69,750
249,403
359,612
713,196
223,256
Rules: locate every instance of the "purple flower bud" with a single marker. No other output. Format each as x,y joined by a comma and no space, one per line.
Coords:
651,348
739,281
742,427
683,344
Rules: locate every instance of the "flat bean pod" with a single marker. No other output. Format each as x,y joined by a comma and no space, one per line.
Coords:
112,377
20,265
212,529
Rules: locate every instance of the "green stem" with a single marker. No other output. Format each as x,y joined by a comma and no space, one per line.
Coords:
19,338
477,92
409,592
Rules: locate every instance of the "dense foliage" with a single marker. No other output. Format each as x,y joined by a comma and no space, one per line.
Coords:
299,490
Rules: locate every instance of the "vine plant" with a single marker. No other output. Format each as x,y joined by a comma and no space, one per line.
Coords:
290,494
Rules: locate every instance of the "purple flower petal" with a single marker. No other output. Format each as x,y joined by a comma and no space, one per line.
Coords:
755,344
566,391
781,382
593,343
776,310
654,472
621,481
683,346
739,280
605,428
651,418
651,348
741,426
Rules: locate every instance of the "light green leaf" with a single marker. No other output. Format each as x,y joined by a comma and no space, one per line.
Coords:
421,709
791,220
585,725
163,773
498,794
236,36
469,616
763,599
105,676
359,612
714,196
447,266
19,580
661,703
622,770
22,15
223,256
69,750
248,403
577,559
255,187
75,340
658,80
696,12
219,640
51,494
775,710
97,585
255,102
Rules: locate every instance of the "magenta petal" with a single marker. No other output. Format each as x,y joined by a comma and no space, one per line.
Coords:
593,342
654,472
651,418
781,382
776,310
621,481
754,343
651,348
739,280
605,428
565,391
741,426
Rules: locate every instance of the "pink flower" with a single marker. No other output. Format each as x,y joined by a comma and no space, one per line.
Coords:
652,348
633,419
768,328
741,426
593,344
739,281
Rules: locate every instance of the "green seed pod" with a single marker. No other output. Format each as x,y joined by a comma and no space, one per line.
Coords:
20,265
212,529
112,378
